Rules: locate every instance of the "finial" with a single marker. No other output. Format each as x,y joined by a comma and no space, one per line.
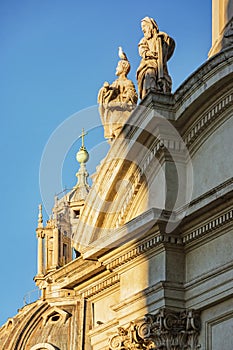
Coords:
82,155
40,217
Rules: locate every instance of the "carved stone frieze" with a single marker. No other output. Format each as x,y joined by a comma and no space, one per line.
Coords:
165,330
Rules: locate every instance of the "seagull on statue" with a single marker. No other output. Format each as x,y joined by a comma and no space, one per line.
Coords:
121,54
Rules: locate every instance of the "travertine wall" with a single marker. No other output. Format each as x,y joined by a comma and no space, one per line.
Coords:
222,14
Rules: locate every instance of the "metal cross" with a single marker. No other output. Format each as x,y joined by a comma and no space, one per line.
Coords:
82,136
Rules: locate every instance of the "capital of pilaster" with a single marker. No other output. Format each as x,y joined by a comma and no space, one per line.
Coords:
40,233
167,329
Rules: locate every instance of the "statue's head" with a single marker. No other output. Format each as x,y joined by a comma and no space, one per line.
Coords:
123,67
149,27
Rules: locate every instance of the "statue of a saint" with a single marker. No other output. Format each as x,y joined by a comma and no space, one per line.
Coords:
116,101
155,48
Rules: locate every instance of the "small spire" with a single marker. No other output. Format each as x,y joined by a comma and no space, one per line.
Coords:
40,217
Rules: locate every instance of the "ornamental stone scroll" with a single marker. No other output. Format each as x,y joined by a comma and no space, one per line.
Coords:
165,330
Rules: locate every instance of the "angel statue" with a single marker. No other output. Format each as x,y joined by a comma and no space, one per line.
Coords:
155,48
117,100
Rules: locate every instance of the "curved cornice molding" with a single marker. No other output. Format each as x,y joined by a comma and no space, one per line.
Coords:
209,77
208,121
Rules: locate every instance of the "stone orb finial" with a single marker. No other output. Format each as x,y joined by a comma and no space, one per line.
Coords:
82,155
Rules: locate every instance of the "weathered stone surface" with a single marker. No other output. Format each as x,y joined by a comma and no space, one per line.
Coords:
154,263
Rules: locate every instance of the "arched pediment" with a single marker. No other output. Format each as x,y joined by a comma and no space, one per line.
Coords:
134,177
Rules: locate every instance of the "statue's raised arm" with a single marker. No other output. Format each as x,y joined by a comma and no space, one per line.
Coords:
155,48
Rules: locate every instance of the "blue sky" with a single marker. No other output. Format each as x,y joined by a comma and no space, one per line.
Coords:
55,55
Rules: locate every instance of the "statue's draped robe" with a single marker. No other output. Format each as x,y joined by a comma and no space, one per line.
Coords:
152,71
115,103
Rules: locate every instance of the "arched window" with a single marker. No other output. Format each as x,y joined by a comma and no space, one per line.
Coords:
44,346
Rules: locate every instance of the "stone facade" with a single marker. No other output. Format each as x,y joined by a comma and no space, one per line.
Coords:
153,266
222,25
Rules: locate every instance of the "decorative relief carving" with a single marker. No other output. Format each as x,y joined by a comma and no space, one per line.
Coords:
165,330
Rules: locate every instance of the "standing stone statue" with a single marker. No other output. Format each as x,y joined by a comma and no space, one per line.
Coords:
155,48
116,101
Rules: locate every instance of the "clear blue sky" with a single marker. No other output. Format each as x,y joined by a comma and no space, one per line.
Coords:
55,55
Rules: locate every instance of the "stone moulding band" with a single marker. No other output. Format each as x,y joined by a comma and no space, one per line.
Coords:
208,118
209,226
171,239
142,248
107,283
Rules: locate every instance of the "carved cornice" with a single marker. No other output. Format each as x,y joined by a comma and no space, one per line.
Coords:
143,248
209,226
166,330
224,189
218,67
207,119
101,286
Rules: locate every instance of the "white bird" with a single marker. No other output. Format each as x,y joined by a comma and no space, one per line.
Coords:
121,54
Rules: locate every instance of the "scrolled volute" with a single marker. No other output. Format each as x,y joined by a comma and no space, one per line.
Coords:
167,329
